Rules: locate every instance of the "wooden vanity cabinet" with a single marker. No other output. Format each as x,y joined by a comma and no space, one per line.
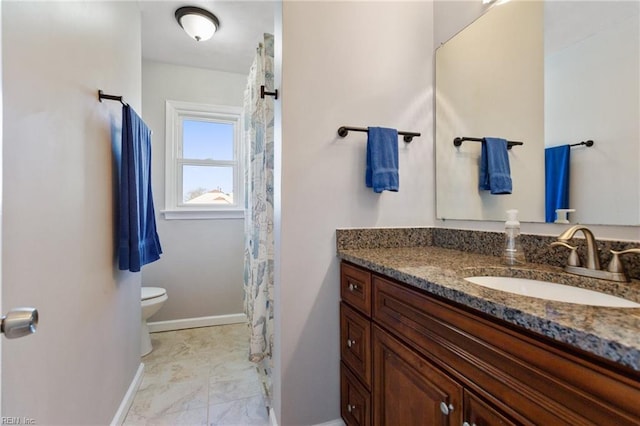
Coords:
434,363
355,346
409,390
524,378
355,400
355,288
479,413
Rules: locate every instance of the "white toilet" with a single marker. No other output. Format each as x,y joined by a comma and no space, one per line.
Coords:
152,300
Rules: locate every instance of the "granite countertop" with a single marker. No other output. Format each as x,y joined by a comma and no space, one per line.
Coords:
611,333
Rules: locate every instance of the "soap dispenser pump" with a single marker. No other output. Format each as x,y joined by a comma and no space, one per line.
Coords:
513,253
562,215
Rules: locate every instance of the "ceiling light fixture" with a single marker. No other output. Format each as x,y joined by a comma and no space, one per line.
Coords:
200,24
494,2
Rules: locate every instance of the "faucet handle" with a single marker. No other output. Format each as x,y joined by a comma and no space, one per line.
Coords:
616,265
574,259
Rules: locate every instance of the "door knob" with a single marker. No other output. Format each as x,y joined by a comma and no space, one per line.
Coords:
19,322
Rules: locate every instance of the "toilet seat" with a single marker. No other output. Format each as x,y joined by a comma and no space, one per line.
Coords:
152,292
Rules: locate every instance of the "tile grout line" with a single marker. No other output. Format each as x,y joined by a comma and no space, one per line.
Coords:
196,340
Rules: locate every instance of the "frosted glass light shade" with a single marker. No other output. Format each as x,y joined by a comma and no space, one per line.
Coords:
198,23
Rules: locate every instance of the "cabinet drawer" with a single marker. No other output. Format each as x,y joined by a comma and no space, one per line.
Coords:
355,343
532,378
355,400
355,288
479,413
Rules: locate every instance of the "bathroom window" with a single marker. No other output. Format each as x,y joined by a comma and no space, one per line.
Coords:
204,176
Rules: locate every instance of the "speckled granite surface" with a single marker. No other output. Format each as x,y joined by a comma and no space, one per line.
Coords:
383,237
536,247
611,333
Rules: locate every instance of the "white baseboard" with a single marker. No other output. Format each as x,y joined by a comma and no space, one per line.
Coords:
337,422
121,414
181,324
274,422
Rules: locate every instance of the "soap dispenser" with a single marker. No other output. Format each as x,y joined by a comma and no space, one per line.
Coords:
562,215
513,253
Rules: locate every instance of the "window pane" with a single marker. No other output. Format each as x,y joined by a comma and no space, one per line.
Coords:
206,140
207,185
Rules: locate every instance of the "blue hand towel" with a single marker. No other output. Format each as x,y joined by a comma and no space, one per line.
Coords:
138,242
556,180
382,159
495,174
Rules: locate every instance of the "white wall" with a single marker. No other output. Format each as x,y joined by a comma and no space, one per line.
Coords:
343,63
453,16
602,105
202,264
58,225
481,78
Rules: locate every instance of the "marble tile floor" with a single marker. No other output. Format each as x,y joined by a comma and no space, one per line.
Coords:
200,376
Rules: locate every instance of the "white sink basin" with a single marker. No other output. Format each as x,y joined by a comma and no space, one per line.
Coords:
551,291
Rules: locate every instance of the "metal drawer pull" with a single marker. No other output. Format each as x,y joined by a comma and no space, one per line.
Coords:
446,409
353,287
467,424
351,408
350,342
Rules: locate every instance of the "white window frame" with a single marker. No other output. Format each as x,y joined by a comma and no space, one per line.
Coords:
176,113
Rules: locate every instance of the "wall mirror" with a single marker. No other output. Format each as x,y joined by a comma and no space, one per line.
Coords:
546,74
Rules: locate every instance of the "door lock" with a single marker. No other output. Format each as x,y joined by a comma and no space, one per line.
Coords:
19,322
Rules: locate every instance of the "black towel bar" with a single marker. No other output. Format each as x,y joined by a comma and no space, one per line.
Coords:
587,143
344,131
102,95
458,141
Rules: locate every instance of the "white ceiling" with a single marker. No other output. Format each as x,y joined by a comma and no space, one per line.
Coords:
232,47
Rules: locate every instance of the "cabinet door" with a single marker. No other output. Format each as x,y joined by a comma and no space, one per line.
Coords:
479,413
355,343
355,400
409,390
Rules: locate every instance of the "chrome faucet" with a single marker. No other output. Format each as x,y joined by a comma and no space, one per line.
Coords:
615,271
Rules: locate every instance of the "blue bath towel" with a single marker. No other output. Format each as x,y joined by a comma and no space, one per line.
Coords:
138,242
382,160
556,180
495,174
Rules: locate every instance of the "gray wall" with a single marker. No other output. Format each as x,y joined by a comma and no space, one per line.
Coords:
202,264
343,63
58,225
